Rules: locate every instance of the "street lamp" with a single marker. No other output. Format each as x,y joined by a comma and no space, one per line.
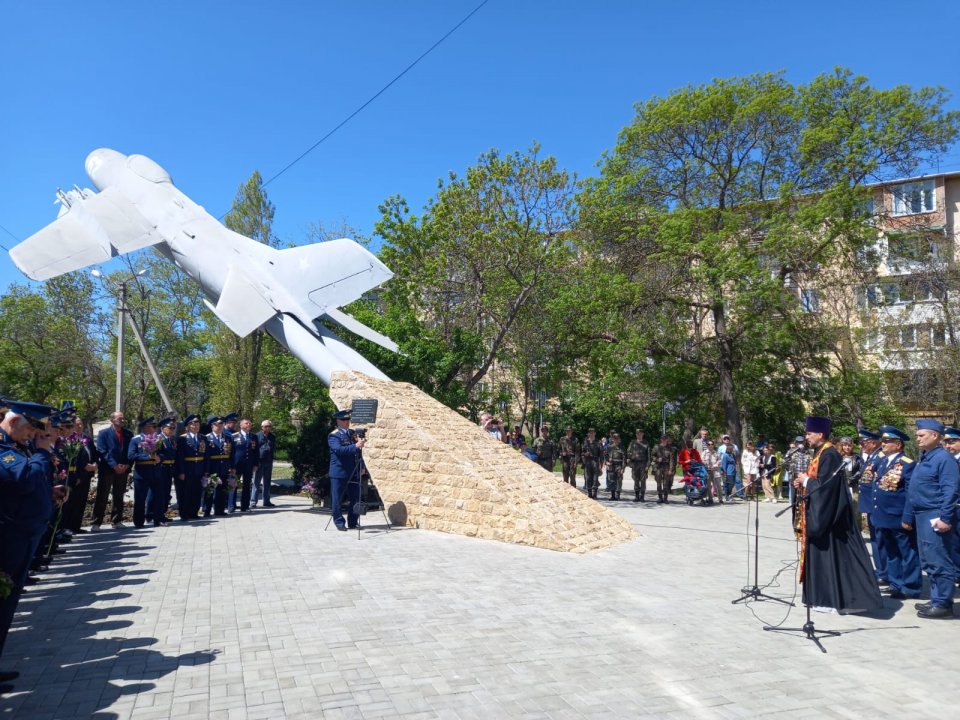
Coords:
121,310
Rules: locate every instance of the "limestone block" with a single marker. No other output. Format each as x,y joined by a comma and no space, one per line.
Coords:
436,470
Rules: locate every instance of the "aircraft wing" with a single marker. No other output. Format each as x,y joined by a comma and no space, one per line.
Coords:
93,228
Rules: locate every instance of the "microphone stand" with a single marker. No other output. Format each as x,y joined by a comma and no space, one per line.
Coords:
755,593
809,629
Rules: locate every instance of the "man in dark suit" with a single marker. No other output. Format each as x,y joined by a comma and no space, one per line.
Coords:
246,455
113,443
266,446
346,467
81,472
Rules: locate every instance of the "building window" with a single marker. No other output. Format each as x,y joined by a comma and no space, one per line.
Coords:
938,336
914,198
810,300
905,248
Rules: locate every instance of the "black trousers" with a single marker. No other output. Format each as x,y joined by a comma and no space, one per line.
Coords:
110,484
76,503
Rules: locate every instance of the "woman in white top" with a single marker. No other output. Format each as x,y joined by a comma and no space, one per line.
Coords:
750,463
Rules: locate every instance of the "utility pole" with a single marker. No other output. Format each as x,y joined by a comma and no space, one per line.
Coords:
121,309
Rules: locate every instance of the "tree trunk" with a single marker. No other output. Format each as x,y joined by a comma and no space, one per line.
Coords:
728,394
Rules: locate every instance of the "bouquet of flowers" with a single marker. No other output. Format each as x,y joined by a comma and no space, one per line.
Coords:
210,483
232,481
6,585
72,445
311,489
150,443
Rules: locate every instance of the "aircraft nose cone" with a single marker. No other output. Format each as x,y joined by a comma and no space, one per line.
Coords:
101,164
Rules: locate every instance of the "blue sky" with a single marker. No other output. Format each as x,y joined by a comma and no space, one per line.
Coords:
213,90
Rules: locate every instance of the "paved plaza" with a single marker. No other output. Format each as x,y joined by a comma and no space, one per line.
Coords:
266,615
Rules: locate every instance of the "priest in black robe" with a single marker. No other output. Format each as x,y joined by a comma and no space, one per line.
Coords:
837,572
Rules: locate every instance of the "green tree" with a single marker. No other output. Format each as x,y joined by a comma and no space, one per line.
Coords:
722,203
473,263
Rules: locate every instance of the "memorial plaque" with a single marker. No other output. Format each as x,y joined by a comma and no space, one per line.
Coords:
363,412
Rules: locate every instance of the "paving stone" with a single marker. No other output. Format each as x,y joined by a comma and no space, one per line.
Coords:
419,624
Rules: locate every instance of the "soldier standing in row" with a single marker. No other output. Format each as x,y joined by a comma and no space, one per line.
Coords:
664,466
142,454
191,466
616,462
592,454
569,456
219,458
638,455
168,458
545,449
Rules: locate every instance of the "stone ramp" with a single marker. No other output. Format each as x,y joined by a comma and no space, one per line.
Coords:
436,470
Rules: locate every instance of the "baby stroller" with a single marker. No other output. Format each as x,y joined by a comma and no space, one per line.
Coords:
696,481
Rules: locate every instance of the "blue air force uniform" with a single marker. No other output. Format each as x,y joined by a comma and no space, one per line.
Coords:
899,546
865,490
191,464
932,495
26,503
167,452
346,467
219,459
246,455
146,479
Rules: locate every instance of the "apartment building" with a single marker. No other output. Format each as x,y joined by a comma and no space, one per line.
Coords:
908,311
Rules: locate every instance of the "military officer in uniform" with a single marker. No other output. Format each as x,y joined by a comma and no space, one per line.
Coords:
219,463
27,496
951,443
545,449
592,454
146,473
246,455
569,456
932,501
190,468
890,485
616,462
638,455
346,468
167,452
664,466
229,430
871,451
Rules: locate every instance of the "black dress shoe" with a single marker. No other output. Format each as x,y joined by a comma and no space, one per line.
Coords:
81,531
8,675
31,580
269,505
921,606
4,689
881,582
896,595
342,528
935,612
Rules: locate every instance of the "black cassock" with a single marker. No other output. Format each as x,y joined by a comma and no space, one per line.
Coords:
838,571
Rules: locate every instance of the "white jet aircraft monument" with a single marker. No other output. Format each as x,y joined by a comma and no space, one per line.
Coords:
247,284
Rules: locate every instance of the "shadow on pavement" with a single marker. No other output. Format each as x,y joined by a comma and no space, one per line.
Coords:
67,668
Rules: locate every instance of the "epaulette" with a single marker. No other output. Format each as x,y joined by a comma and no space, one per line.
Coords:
905,459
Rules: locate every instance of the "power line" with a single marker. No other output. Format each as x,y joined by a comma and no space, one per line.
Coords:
380,92
11,235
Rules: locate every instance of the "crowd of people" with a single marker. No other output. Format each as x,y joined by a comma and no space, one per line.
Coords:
48,464
909,508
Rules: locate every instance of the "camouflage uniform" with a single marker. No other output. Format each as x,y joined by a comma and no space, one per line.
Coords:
592,454
546,451
616,461
569,456
664,465
638,455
